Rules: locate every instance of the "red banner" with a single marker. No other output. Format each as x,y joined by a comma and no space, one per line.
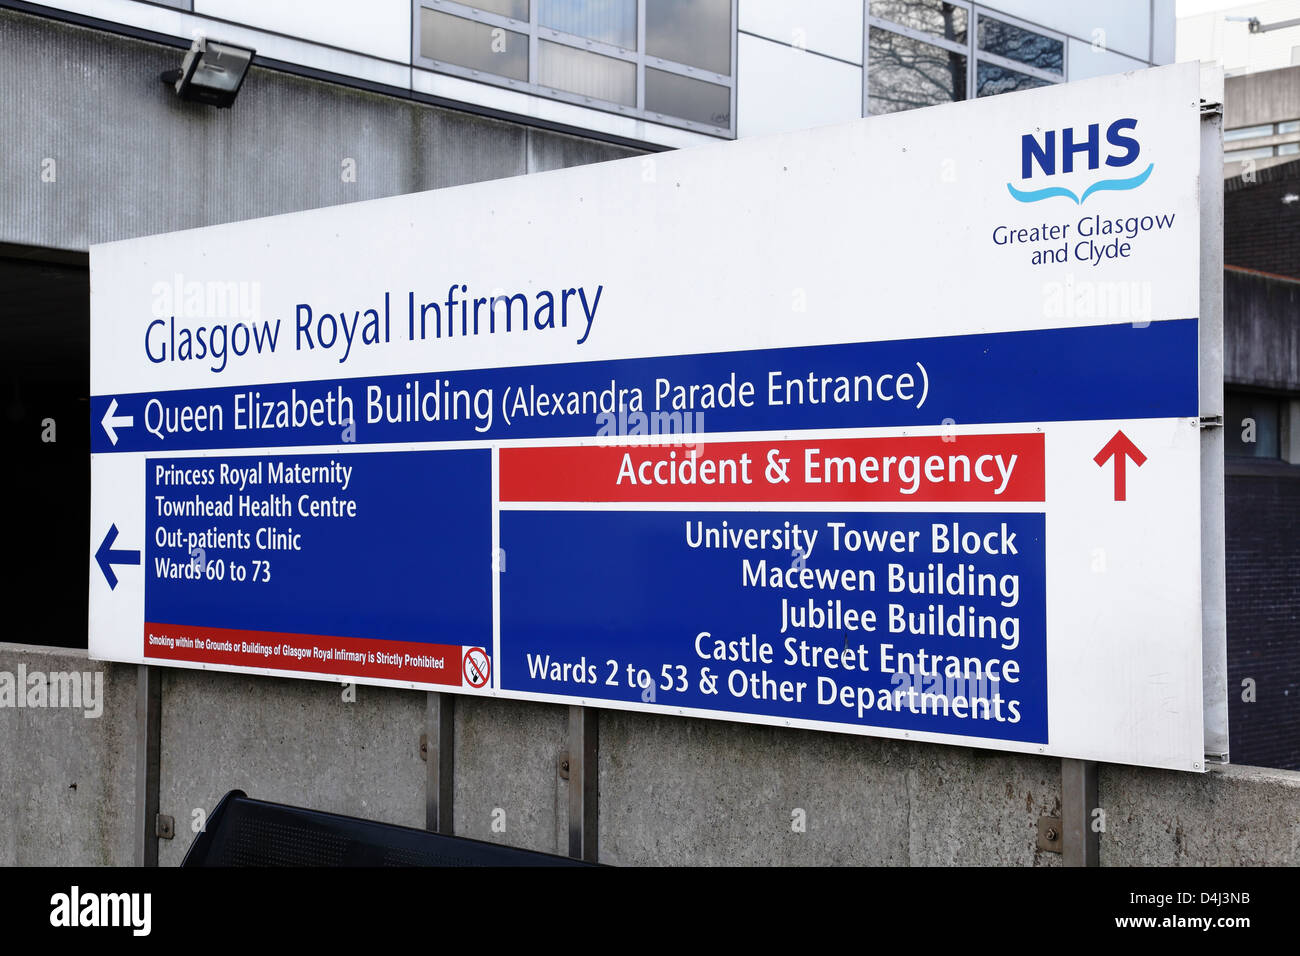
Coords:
341,656
914,468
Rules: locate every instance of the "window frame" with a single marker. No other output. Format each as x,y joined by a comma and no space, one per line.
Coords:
1238,134
1277,140
1258,152
1286,405
1015,65
970,49
535,33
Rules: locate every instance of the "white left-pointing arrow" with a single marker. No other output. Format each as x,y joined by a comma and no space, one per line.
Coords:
112,421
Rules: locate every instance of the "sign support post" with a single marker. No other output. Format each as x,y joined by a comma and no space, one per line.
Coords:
440,782
1080,843
584,783
148,735
1214,641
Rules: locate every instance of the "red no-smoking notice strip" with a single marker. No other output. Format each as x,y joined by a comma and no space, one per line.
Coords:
343,656
919,468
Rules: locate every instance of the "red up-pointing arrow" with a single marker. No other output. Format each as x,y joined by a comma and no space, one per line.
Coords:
1121,449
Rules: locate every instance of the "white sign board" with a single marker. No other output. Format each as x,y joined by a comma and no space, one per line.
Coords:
887,428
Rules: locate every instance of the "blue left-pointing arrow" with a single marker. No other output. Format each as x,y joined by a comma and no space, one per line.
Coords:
107,557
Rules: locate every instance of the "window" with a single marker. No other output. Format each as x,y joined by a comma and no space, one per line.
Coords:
473,45
1024,46
694,32
1258,132
923,52
1252,425
593,75
991,79
515,9
608,21
671,61
906,73
944,20
1236,155
1247,132
677,95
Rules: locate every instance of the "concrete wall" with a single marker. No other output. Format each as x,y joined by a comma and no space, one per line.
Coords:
672,790
1264,96
508,759
67,781
1235,816
688,792
290,742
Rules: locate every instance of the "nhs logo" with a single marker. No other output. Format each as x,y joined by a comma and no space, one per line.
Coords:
1075,149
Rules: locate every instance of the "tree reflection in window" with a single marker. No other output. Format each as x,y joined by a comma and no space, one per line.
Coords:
1021,45
946,20
991,79
903,73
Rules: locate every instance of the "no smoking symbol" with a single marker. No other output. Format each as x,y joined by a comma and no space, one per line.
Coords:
477,667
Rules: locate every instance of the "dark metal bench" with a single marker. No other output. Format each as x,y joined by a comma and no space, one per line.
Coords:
242,831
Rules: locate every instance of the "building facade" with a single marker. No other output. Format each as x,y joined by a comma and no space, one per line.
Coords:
1261,115
1262,411
666,73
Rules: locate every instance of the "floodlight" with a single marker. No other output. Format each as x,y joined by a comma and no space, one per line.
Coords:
212,72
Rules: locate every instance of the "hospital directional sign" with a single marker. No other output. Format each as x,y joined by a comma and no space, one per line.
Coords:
889,428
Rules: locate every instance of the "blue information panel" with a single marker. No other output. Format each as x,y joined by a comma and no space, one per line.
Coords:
927,622
263,560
